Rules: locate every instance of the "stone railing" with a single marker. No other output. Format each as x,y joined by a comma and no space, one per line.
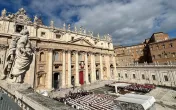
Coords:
28,99
147,65
20,102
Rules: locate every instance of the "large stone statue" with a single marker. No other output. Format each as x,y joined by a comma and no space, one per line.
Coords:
19,57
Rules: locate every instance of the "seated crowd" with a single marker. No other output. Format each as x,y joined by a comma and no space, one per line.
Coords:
88,101
139,88
144,88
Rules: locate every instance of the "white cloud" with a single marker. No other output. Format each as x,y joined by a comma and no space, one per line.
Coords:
128,21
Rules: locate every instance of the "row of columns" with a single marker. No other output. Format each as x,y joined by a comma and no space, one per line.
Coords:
157,72
66,69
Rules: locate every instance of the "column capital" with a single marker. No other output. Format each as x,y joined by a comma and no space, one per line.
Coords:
50,49
63,50
68,51
75,51
97,53
89,53
82,52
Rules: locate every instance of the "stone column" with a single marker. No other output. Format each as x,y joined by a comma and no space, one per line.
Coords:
76,69
158,77
93,72
150,77
169,75
63,70
32,70
50,68
69,69
86,69
173,77
115,68
161,77
101,68
107,67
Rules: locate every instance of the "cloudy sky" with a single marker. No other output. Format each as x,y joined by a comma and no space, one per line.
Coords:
127,21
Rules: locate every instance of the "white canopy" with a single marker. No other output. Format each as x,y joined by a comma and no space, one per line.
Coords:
120,84
151,99
145,101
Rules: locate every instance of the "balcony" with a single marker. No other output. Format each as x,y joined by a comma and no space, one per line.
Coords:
57,62
57,67
97,61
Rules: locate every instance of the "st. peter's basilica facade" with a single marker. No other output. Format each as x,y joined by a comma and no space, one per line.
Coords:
62,57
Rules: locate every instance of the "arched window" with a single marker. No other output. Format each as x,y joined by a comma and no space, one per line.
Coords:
42,56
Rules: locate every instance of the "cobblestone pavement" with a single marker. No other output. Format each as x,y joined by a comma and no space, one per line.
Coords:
95,85
165,98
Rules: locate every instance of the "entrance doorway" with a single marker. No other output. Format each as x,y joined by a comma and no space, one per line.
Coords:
56,80
81,77
97,74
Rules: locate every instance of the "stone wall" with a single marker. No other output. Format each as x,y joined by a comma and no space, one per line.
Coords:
164,75
28,99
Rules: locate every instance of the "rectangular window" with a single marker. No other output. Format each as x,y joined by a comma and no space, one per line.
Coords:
143,77
56,56
134,76
119,74
58,36
153,77
164,46
126,75
165,78
19,28
171,45
42,34
72,38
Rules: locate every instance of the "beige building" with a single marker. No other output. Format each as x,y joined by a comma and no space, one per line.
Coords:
162,49
62,57
163,75
126,55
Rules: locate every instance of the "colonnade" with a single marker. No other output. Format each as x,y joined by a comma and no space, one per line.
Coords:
89,68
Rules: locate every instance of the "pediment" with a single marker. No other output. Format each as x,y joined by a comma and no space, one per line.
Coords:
81,41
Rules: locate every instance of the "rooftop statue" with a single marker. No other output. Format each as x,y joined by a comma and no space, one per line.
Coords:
75,29
84,31
52,23
68,27
64,26
80,29
3,13
19,58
